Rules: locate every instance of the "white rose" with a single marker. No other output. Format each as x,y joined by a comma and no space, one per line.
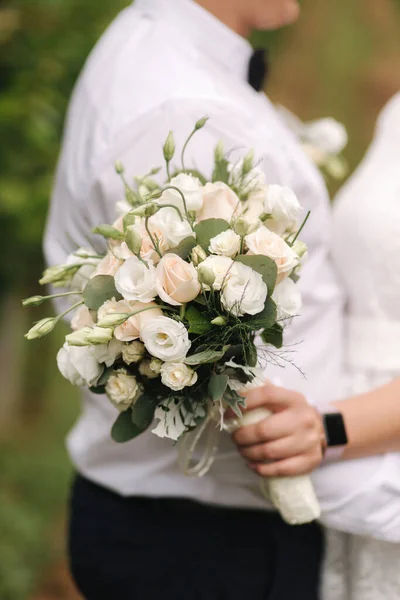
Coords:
136,281
327,135
122,389
108,353
287,298
79,365
172,228
219,202
266,242
190,187
176,280
82,318
177,375
226,243
109,265
150,368
133,353
220,267
283,206
166,339
244,291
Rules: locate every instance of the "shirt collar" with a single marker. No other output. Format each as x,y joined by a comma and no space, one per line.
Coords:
211,37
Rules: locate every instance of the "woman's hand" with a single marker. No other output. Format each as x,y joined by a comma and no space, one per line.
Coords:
288,443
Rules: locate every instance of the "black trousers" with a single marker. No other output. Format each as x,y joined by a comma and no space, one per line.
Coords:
175,549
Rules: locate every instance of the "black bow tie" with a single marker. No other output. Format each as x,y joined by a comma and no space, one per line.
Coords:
258,69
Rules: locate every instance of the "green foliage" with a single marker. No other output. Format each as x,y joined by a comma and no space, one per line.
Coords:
198,323
217,386
207,356
184,248
263,265
209,228
98,290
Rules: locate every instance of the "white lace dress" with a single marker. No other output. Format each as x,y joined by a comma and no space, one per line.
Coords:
367,255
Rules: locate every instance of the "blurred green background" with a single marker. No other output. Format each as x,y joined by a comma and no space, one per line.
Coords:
342,59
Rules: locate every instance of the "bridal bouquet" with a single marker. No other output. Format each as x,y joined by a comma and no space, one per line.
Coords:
166,321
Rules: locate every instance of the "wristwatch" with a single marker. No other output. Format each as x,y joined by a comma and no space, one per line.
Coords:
335,433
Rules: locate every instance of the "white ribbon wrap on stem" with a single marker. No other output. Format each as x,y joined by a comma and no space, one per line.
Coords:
293,497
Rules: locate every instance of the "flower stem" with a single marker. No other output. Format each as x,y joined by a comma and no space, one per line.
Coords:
155,244
300,230
70,309
184,149
172,187
171,206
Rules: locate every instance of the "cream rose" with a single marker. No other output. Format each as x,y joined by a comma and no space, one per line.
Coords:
130,329
219,202
176,280
79,365
266,242
190,187
150,368
166,339
244,291
122,389
109,265
220,267
287,298
82,318
133,353
226,243
136,281
176,376
283,206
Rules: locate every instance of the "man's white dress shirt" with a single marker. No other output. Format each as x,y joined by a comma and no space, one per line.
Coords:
159,67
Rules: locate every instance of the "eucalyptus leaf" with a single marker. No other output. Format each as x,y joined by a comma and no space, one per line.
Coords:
209,228
217,386
106,374
263,265
184,248
250,354
273,336
124,429
208,356
198,323
98,389
98,290
143,411
235,402
266,318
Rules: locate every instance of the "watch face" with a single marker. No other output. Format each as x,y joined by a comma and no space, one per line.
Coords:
335,429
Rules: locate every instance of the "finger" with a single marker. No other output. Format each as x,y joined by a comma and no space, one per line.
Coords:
289,467
280,449
279,425
273,397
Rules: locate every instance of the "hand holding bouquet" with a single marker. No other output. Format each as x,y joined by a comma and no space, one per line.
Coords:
166,324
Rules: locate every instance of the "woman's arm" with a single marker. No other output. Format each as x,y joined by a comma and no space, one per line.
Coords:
372,421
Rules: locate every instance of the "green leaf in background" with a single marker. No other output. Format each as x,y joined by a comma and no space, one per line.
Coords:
250,354
184,248
221,172
108,231
209,228
143,411
234,401
266,318
105,377
273,336
217,386
198,323
98,290
263,265
208,356
124,429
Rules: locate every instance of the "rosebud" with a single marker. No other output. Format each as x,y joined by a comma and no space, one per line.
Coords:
146,210
198,255
100,335
248,163
83,253
219,152
79,338
300,248
133,239
113,320
108,231
205,275
119,167
133,352
33,301
169,147
243,225
200,123
41,328
220,321
59,273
